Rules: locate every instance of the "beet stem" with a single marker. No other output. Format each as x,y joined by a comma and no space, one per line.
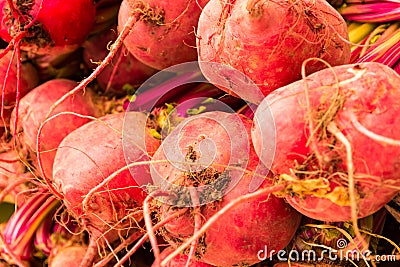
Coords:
333,129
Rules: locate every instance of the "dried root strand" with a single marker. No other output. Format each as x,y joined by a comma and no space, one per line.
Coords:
150,230
217,216
140,242
333,129
197,224
113,51
374,136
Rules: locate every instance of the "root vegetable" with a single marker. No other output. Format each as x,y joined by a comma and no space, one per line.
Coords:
337,140
268,41
67,256
163,34
181,260
91,172
124,69
33,109
11,170
210,164
9,90
32,22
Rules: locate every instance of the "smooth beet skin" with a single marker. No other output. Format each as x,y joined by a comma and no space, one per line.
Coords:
67,256
124,69
220,143
95,151
32,112
363,102
269,40
164,33
59,25
28,80
180,260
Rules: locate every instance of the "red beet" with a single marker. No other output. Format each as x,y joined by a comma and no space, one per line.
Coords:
105,205
12,175
164,33
95,165
46,34
123,70
181,260
29,79
33,109
209,152
268,41
10,167
70,256
336,139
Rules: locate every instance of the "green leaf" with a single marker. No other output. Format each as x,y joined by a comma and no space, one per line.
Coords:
6,210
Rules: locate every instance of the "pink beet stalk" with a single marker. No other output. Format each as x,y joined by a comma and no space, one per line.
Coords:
51,235
22,226
204,98
371,11
385,50
168,85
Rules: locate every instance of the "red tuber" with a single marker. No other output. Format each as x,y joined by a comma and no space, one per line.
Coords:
206,163
164,33
269,40
337,142
33,110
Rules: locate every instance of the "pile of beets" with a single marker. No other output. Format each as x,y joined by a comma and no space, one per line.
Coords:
194,133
